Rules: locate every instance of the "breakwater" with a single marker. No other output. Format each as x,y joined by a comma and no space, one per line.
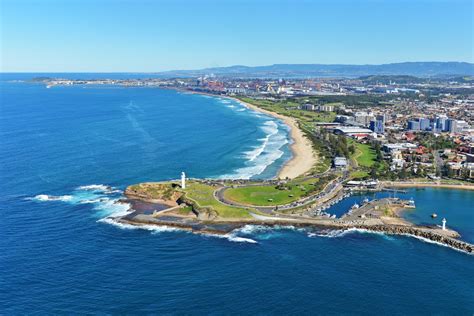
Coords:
434,235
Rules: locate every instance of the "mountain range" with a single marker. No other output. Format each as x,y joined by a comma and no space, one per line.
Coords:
419,69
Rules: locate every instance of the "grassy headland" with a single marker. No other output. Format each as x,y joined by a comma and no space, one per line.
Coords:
272,195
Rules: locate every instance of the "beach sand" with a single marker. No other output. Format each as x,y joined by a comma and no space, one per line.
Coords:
304,157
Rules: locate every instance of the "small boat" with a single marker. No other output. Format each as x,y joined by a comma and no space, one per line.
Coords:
366,200
434,215
355,206
411,204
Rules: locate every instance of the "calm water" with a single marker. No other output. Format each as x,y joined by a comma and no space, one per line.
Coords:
60,146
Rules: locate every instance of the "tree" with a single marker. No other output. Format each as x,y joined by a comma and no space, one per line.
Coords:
352,149
374,169
402,174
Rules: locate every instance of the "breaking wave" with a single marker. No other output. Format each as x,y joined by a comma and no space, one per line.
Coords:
104,199
265,153
45,197
234,238
154,229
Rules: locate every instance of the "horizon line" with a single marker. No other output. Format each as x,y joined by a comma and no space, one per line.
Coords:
235,65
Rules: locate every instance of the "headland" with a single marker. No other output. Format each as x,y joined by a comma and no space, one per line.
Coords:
202,208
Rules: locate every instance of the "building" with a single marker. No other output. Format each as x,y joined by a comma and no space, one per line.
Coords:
308,107
325,108
425,124
441,123
398,147
355,132
378,125
452,126
414,125
419,124
363,118
340,163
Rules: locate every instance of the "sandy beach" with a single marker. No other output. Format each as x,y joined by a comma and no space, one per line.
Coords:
304,156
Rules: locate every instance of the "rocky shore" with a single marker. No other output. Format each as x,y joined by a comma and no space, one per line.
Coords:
428,233
433,234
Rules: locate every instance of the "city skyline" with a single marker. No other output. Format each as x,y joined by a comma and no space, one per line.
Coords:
146,36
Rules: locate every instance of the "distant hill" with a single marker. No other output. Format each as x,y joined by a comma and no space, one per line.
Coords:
418,69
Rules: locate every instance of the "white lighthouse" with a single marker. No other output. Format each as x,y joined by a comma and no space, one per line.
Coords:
183,180
444,223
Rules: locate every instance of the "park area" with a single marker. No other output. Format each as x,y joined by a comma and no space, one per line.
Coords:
203,195
272,195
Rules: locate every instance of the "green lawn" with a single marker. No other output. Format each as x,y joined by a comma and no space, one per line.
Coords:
203,195
359,174
364,155
263,195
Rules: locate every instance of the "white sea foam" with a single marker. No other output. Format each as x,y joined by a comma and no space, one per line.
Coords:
232,237
99,188
240,239
98,195
45,197
256,229
264,154
111,208
94,187
154,229
429,241
334,233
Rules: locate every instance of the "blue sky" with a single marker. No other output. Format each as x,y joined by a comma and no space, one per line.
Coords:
146,36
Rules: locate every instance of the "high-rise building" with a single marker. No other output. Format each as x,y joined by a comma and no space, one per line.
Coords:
424,124
452,126
441,123
363,118
378,125
414,125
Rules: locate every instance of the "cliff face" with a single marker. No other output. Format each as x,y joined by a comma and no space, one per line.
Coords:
423,233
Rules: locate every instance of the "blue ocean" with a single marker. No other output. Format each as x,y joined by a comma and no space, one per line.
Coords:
67,153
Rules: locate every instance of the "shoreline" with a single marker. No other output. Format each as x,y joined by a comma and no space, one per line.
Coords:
427,234
303,156
429,185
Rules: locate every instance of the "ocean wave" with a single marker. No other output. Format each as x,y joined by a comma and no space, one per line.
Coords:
429,241
111,208
264,154
104,199
99,188
152,228
234,238
263,232
94,187
259,165
256,229
45,197
334,233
